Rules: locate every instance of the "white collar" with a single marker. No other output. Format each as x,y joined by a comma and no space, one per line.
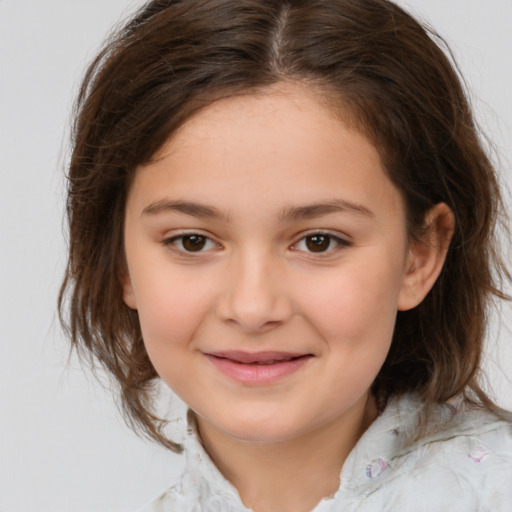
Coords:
367,467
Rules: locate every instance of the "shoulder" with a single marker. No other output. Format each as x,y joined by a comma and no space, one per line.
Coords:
200,488
193,497
473,458
465,464
167,502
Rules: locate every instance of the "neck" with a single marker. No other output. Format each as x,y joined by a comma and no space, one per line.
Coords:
292,475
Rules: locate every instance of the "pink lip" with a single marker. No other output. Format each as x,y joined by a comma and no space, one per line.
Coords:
258,367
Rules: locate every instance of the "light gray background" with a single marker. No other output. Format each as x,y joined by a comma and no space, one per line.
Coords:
62,446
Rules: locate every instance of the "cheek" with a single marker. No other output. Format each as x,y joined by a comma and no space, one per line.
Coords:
356,304
170,309
170,315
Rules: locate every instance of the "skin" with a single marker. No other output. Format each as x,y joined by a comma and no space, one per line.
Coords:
252,164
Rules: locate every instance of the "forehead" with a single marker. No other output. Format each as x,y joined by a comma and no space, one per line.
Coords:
281,144
300,110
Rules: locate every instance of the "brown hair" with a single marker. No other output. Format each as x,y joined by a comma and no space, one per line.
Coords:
175,57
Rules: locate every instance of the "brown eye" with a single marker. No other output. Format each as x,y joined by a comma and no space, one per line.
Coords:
318,243
193,243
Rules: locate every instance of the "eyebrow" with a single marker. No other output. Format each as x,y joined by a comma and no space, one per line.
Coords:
312,211
291,213
187,207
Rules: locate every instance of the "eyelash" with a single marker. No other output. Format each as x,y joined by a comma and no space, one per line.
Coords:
339,243
172,242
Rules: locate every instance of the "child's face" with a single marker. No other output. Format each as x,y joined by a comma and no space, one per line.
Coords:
266,230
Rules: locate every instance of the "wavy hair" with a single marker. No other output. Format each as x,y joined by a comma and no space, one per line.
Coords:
396,79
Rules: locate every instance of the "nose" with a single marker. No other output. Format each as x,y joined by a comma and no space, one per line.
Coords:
254,296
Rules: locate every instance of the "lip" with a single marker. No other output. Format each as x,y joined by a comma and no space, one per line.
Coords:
257,368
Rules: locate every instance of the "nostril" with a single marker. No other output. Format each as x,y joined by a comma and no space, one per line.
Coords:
252,301
252,319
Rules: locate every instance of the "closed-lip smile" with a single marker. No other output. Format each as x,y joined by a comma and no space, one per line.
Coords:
257,368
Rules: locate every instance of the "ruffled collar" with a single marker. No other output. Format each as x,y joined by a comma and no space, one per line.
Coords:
368,466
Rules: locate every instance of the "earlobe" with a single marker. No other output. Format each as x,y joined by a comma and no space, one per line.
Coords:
128,293
426,257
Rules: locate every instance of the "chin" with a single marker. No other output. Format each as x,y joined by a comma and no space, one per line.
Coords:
279,428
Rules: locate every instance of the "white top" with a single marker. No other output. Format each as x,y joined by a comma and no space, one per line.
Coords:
465,467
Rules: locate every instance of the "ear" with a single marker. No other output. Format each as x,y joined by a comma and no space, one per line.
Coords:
426,257
128,293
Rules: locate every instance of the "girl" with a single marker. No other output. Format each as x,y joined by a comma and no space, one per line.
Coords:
283,210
